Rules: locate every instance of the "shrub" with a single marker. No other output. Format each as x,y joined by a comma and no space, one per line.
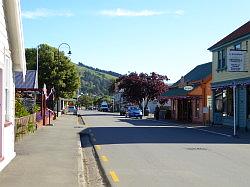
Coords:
31,127
36,108
20,109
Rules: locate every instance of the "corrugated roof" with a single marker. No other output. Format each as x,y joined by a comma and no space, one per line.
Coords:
175,92
198,73
238,33
30,80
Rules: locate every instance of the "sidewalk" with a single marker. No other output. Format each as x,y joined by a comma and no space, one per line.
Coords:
49,157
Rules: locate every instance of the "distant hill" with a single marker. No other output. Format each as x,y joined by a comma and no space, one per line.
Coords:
95,81
99,70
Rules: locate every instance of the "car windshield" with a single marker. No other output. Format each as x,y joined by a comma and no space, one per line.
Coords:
134,108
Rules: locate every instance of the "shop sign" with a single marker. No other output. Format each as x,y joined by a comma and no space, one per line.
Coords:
235,61
188,88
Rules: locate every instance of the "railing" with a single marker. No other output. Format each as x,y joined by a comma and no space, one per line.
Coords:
24,125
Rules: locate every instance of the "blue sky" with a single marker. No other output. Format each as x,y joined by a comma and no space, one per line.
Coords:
167,37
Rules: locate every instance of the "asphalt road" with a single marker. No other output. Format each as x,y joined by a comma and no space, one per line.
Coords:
138,152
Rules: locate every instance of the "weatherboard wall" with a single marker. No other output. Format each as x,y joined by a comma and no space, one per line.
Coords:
224,75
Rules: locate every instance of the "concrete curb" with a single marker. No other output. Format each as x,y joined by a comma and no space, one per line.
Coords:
99,162
80,173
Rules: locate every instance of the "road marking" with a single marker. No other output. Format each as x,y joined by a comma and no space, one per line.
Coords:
104,158
114,176
98,147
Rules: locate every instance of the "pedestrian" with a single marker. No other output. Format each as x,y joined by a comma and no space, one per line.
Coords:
157,112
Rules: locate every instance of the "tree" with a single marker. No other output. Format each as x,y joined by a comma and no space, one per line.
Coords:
142,86
62,74
86,100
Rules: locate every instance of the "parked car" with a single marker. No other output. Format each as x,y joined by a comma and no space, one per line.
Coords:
123,111
134,111
104,107
72,109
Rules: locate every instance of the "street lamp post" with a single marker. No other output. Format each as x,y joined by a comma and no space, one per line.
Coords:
69,53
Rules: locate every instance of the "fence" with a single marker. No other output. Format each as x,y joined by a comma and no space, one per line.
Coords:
24,125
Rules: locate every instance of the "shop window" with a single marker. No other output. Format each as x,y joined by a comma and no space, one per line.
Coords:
228,105
218,101
197,108
248,102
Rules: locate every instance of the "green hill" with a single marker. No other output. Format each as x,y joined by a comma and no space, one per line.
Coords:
95,81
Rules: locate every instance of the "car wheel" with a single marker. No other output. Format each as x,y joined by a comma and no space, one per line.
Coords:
141,117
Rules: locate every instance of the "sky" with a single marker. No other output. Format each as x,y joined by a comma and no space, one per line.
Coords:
164,36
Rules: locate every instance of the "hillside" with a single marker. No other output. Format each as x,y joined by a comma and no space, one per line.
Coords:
95,81
114,74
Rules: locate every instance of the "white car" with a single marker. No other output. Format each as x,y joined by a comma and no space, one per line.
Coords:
72,109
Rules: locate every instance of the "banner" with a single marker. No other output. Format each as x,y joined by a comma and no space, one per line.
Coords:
235,61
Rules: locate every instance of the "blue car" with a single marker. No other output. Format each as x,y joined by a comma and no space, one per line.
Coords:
134,111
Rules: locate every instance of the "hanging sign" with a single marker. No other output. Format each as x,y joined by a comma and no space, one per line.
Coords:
188,88
235,61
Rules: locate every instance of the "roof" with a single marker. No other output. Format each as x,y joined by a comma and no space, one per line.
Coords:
30,80
15,34
238,33
198,73
175,92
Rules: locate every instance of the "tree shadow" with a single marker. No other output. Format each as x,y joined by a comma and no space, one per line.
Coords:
98,114
157,135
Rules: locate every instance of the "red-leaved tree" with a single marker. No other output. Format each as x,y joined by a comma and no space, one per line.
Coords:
142,86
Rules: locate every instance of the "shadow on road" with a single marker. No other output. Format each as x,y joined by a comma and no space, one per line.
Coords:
99,114
167,134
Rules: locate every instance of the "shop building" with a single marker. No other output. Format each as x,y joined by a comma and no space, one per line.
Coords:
231,78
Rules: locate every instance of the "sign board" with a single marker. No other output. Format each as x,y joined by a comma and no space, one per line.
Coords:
235,61
188,88
209,101
205,110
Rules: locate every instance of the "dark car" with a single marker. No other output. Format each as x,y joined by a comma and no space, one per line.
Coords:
123,111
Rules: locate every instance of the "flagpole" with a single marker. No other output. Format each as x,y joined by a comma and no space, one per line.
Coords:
37,59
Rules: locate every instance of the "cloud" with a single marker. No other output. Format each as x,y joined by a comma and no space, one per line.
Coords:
129,13
179,12
44,13
141,13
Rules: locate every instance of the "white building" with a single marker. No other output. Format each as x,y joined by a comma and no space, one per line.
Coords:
12,58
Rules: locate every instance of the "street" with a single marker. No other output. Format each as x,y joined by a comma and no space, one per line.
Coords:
136,152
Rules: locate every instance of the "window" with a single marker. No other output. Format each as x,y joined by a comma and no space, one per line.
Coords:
248,102
218,101
221,59
224,102
237,46
197,108
7,84
228,105
247,46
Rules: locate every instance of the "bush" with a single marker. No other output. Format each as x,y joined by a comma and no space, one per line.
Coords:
36,108
31,127
20,109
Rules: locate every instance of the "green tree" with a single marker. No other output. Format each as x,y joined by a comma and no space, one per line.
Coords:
60,74
86,100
